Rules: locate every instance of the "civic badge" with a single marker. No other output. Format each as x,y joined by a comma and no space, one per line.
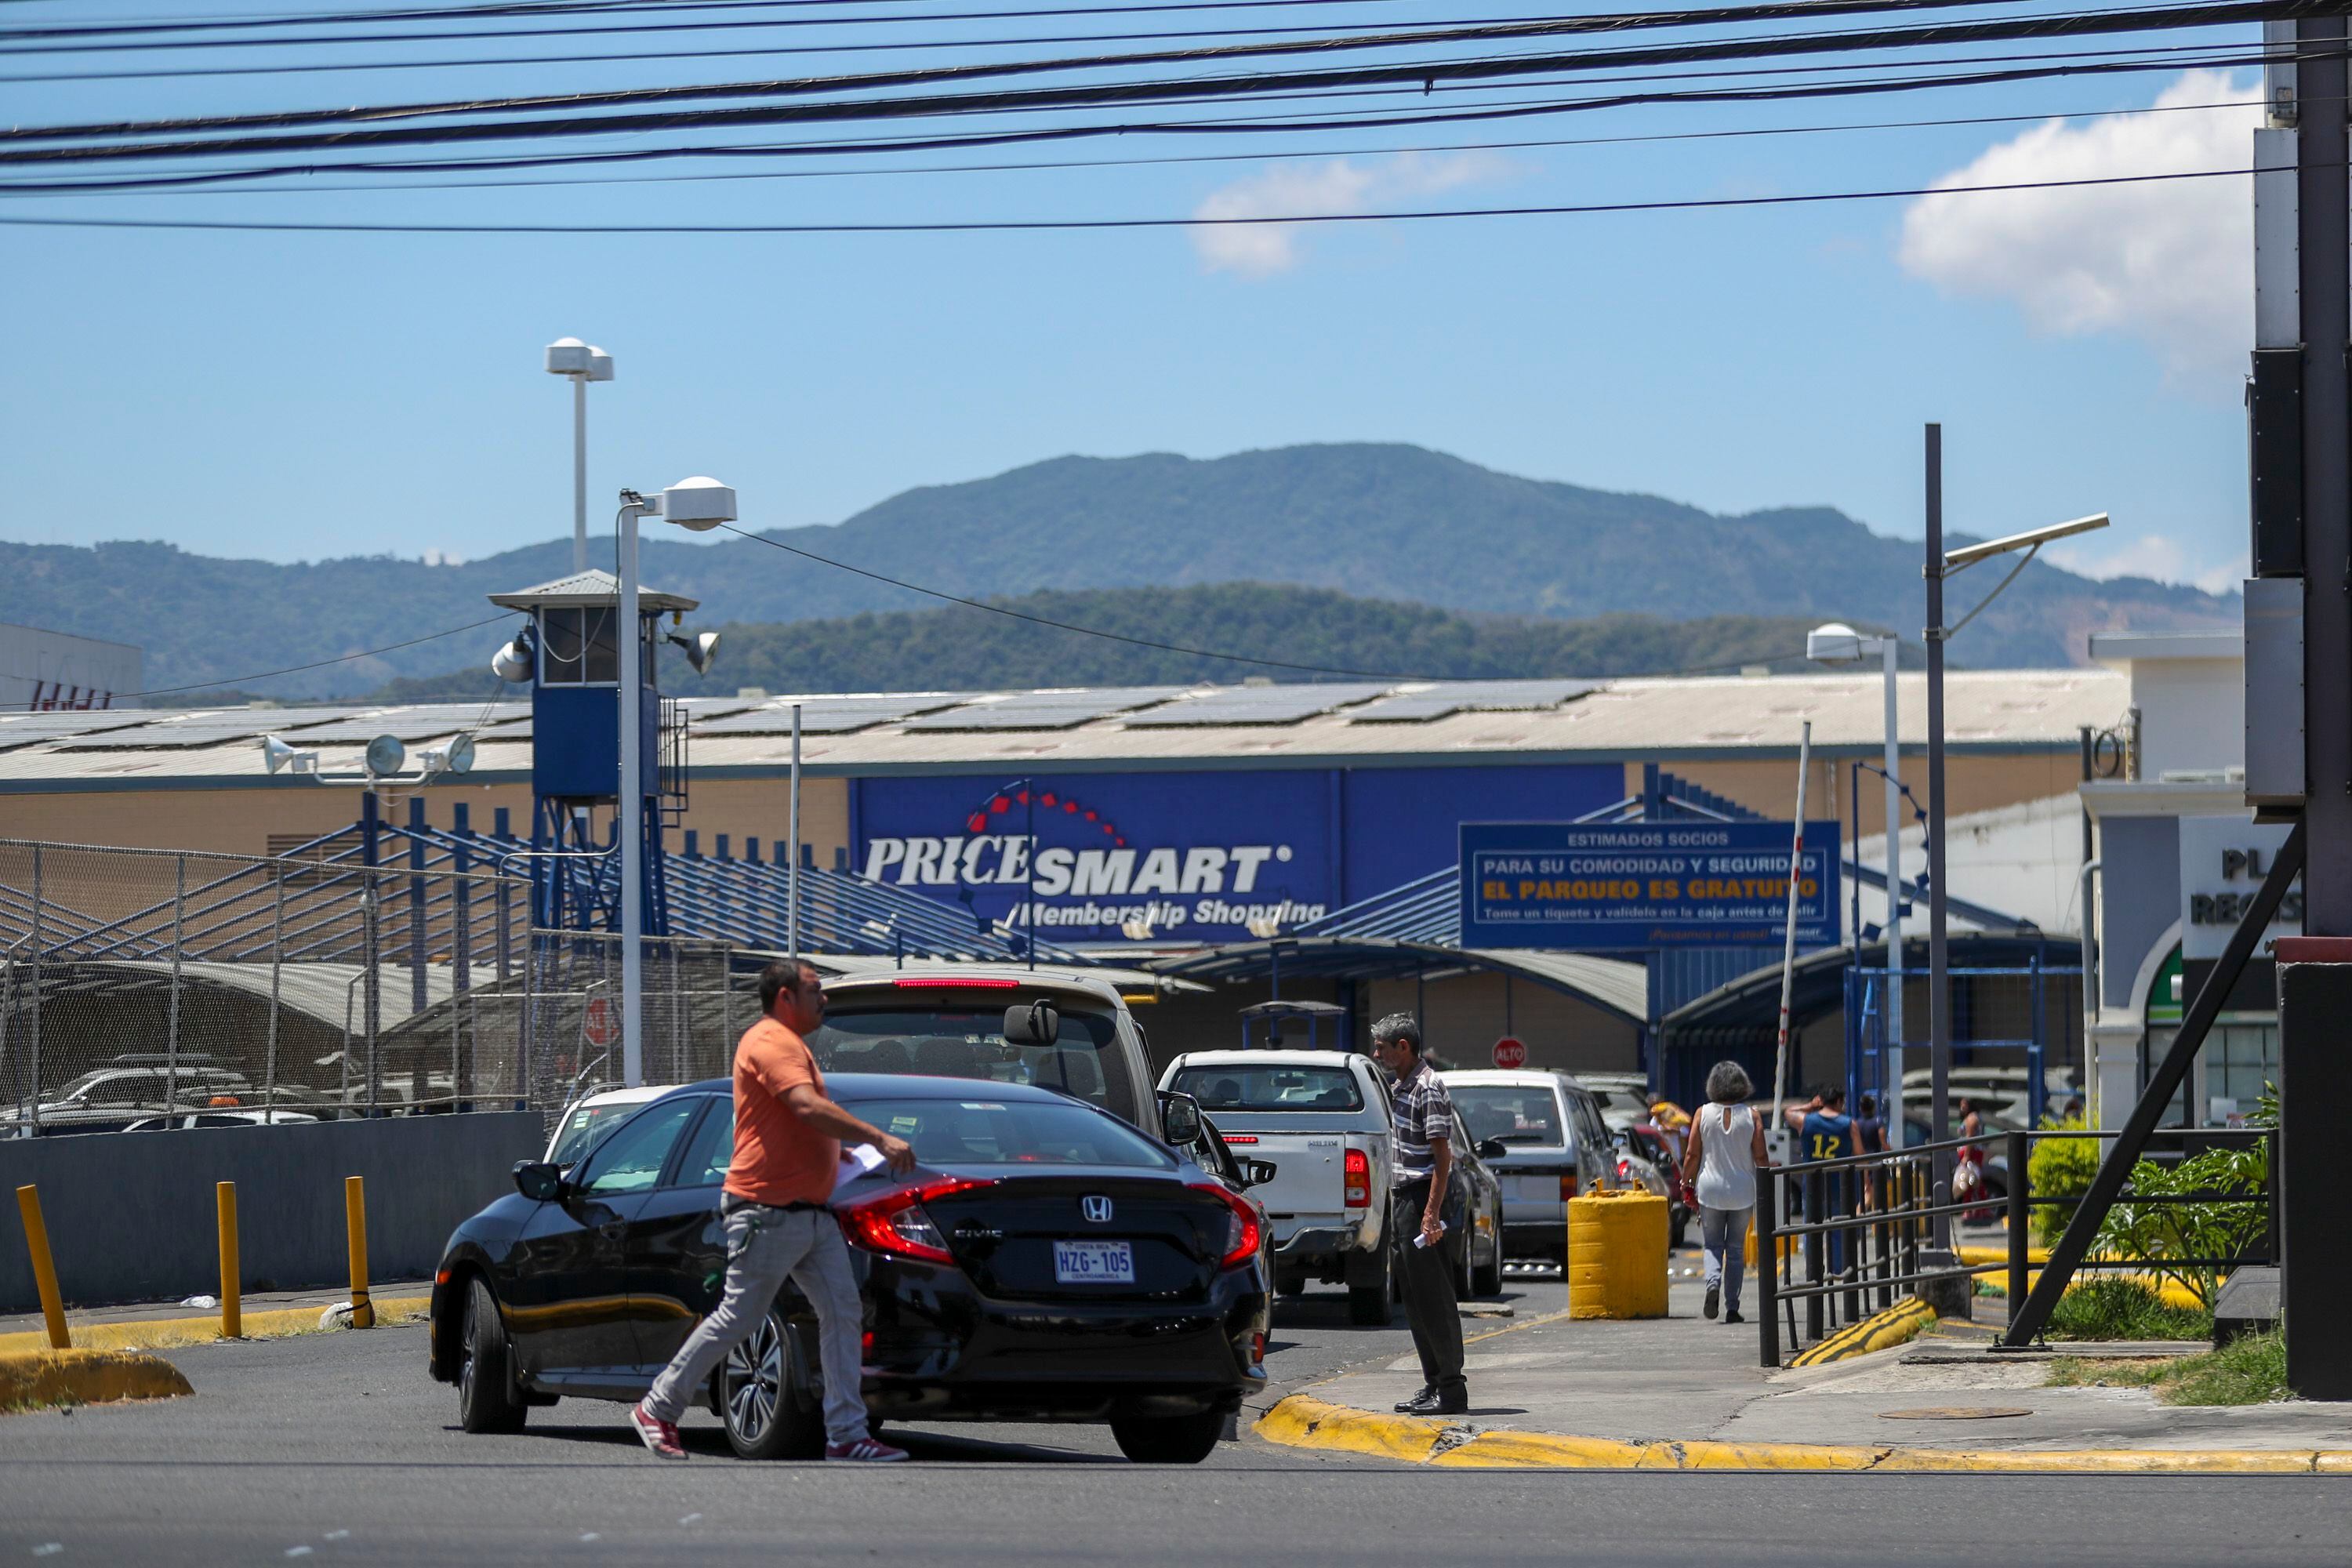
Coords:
1096,1207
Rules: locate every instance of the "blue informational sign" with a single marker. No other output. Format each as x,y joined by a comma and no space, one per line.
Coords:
1630,885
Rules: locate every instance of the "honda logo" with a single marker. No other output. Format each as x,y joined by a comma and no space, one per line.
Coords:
1096,1208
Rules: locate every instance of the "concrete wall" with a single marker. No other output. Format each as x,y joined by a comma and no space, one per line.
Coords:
130,1214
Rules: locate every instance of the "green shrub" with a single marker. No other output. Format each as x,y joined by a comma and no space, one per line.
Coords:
2227,1227
2059,1168
2118,1308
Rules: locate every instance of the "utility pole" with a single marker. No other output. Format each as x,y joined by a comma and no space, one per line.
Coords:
2302,535
1939,1003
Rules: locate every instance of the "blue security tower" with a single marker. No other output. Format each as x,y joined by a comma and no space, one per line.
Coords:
570,655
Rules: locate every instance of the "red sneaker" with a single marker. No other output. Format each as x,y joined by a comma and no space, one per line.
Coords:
659,1436
866,1450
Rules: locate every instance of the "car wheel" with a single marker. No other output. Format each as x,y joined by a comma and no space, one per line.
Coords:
766,1415
1168,1439
486,1392
1288,1284
1368,1305
1489,1280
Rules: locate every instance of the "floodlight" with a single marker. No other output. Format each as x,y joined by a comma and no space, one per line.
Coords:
1837,643
700,650
277,754
600,364
568,356
385,754
699,503
517,659
459,754
2032,537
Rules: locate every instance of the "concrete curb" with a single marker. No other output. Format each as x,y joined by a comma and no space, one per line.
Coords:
172,1333
1898,1324
86,1377
1302,1422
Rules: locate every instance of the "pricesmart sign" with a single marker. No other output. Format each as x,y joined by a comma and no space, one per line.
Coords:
1196,856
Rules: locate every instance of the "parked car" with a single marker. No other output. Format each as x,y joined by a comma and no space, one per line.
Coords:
130,1087
949,1021
1554,1146
585,1122
1652,1144
220,1119
1322,1118
1482,1249
1046,1261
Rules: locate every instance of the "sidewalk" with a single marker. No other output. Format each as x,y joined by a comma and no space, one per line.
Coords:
1683,1381
162,1324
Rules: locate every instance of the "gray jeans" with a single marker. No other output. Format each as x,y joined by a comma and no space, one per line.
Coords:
1723,1234
764,1247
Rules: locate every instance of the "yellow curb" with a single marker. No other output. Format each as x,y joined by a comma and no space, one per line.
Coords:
1302,1422
171,1333
1898,1324
86,1377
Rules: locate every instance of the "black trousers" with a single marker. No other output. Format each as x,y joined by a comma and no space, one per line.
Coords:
1429,1276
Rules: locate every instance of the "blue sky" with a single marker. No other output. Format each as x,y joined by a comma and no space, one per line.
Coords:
297,396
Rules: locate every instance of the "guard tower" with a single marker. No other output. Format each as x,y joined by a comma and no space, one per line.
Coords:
571,654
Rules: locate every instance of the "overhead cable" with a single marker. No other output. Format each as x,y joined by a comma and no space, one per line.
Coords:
316,664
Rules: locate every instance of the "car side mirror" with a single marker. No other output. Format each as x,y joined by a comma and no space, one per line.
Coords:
1492,1147
539,1181
1179,1118
1033,1023
1256,1172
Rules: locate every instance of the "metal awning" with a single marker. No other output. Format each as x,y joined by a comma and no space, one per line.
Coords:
1610,984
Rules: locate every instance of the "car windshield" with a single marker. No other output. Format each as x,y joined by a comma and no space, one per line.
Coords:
1525,1116
1231,1086
1084,1060
586,1127
985,1132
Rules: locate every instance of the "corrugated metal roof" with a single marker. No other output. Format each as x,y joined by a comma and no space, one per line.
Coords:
588,588
1641,718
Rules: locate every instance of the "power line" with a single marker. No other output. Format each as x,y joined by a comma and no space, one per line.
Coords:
146,187
318,663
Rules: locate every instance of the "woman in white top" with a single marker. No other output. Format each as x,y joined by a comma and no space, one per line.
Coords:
1726,1148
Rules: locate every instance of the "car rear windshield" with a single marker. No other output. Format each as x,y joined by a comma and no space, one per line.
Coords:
984,1131
1272,1087
1522,1117
1084,1061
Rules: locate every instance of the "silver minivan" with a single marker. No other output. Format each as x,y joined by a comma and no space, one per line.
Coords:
1556,1147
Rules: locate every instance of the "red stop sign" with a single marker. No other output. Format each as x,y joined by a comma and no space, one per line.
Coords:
599,1024
1510,1053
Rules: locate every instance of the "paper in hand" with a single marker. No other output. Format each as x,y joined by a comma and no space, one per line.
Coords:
856,1159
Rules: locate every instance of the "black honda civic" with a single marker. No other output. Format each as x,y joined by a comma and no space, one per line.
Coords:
1045,1261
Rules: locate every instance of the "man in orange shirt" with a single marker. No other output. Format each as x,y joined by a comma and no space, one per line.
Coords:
788,1140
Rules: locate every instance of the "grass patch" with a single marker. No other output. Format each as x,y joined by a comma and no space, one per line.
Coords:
2116,1309
2107,1372
2247,1371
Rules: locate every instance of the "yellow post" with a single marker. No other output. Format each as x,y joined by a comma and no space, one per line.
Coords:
44,1272
231,1299
355,1226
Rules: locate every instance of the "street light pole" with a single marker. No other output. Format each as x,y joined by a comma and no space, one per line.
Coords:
1939,1004
1891,1095
581,362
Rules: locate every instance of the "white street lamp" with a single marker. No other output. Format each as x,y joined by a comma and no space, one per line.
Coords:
1838,643
582,363
699,503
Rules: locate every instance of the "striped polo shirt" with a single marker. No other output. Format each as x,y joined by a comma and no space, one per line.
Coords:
1424,1114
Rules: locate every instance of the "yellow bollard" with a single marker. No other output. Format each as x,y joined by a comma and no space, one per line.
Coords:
1617,1255
232,1299
355,1226
45,1271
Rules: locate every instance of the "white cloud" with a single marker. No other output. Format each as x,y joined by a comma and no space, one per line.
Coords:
2170,262
2157,555
1314,190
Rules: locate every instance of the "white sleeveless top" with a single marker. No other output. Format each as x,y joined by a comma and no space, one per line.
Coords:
1726,1166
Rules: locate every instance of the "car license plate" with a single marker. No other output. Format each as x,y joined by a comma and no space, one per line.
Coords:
1094,1262
1542,1187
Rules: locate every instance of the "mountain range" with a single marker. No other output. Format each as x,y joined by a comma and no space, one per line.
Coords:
1375,522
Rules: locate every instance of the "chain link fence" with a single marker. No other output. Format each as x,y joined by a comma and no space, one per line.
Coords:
138,984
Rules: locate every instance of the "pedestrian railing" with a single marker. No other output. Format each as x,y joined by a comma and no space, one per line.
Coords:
1838,1240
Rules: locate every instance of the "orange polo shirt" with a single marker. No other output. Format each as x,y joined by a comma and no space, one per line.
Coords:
779,1158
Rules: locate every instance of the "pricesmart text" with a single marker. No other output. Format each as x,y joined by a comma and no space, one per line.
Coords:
1002,860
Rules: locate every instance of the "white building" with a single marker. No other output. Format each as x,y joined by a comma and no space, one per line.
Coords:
42,670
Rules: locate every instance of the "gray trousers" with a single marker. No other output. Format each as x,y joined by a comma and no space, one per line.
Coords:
1723,1236
764,1247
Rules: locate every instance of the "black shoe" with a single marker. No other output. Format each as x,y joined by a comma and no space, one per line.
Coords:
1733,1316
1714,1299
1421,1404
1454,1402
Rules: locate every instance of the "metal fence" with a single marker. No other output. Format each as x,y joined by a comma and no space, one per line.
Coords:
143,983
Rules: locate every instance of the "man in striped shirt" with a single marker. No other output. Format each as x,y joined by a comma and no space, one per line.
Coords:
1422,1157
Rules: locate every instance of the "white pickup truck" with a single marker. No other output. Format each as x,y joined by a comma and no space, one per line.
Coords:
1322,1118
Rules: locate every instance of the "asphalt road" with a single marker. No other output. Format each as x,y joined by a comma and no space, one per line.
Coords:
338,1449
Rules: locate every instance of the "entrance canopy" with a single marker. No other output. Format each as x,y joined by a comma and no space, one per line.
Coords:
1612,985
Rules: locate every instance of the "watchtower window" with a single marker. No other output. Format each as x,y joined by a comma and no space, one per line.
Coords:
579,647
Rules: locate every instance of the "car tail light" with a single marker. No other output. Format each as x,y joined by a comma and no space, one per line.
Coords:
1566,1186
1238,1137
896,1224
1257,1349
1625,1170
1359,1179
955,982
1242,1234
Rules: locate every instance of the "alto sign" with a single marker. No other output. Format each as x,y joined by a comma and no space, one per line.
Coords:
1510,1053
